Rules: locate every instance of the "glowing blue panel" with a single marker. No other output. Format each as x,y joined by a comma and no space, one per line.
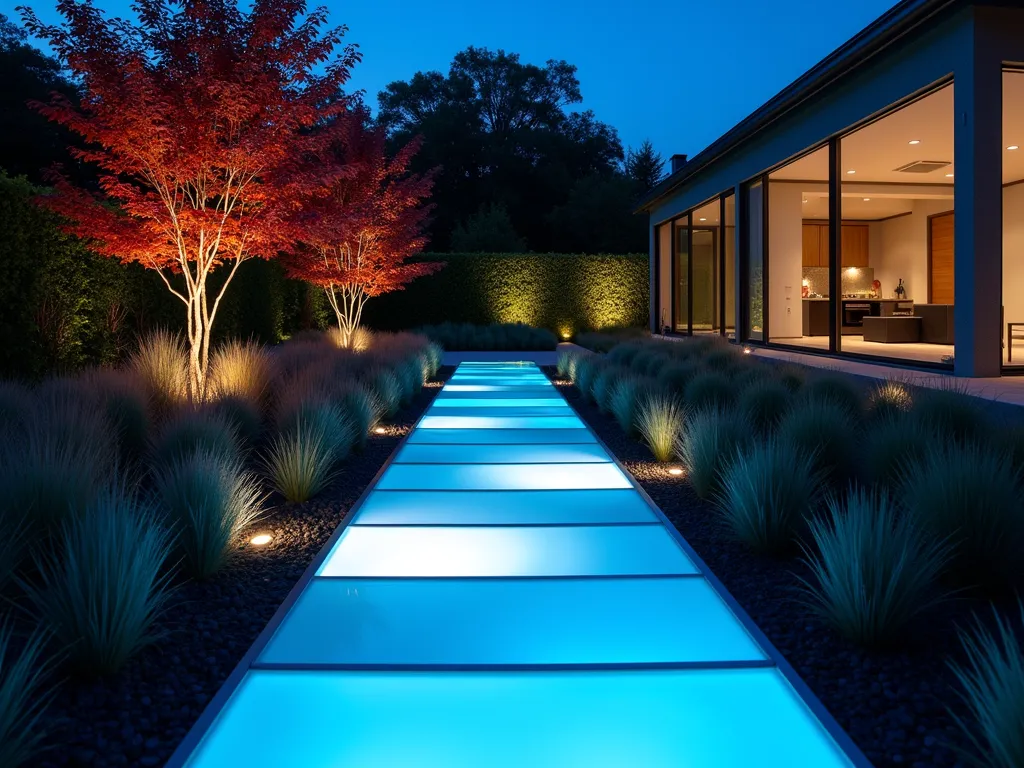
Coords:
517,551
495,388
500,477
518,621
502,436
588,453
500,422
649,719
508,381
485,410
494,402
503,507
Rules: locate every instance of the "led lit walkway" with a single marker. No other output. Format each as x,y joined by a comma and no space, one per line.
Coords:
505,597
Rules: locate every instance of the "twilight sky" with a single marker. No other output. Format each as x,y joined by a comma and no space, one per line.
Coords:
679,72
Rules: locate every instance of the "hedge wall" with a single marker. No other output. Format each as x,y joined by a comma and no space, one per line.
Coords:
563,292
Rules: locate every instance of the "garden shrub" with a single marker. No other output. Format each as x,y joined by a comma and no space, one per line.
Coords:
208,500
624,400
792,376
610,337
387,390
707,444
873,570
768,491
587,369
970,495
23,697
362,411
893,445
675,376
623,354
992,686
720,359
301,460
604,381
950,411
659,420
836,388
709,390
102,584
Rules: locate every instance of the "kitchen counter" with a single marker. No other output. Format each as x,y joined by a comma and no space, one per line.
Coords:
868,300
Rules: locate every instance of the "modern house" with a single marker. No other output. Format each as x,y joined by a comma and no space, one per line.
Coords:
874,208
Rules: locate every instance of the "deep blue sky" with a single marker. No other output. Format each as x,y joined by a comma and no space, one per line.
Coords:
680,72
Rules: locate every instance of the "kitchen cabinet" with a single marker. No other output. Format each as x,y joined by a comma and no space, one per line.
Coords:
854,243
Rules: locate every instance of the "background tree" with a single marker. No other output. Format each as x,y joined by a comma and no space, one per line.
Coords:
503,133
489,230
357,242
644,166
199,120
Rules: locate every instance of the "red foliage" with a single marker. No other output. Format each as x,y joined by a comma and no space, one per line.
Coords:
362,235
201,120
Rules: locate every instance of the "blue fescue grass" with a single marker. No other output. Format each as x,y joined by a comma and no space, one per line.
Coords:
707,444
659,420
873,570
24,697
992,686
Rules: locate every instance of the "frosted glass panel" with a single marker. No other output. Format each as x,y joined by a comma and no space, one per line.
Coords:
485,410
498,621
517,551
501,477
497,454
503,507
502,436
500,422
650,719
460,388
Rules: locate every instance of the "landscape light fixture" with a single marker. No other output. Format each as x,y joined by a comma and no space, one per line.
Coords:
261,540
675,471
380,430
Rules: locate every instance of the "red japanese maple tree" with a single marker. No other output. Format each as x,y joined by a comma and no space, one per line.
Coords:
210,127
358,241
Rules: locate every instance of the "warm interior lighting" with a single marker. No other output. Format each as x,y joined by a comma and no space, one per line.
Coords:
949,175
1013,147
851,270
867,199
851,171
380,430
675,471
914,141
805,199
747,350
261,540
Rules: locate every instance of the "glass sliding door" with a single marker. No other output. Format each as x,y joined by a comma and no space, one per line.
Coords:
728,247
681,247
705,261
754,240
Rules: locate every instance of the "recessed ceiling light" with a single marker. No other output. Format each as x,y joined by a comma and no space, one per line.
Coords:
851,171
914,141
867,199
949,175
1013,146
261,540
805,199
703,219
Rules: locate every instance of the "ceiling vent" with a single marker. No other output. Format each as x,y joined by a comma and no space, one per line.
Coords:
922,166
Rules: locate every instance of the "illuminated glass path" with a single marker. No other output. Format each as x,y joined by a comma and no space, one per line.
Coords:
505,597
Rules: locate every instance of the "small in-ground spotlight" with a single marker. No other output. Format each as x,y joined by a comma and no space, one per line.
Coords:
380,430
748,350
675,471
261,540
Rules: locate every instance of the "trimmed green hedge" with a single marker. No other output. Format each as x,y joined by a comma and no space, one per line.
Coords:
563,292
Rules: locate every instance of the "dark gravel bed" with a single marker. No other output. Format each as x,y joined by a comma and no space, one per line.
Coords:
894,705
139,717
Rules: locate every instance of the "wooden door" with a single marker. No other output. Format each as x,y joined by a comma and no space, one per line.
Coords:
811,248
940,259
855,245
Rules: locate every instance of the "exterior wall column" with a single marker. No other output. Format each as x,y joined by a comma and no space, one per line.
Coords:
978,207
738,210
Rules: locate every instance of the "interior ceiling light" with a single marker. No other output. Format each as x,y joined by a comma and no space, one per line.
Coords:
1012,147
949,175
914,141
805,199
703,219
851,171
867,199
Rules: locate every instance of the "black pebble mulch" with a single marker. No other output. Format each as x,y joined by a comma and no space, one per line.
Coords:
895,705
138,717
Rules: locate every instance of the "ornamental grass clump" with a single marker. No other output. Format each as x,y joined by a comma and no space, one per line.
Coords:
721,359
763,403
102,582
623,354
837,389
950,411
890,399
709,390
410,374
434,354
992,687
191,431
240,369
207,499
624,400
242,417
122,400
893,445
302,459
970,495
873,570
386,389
587,368
768,491
792,377
23,697
566,365
708,442
363,412
601,389
659,420
161,364
825,430
15,408
675,376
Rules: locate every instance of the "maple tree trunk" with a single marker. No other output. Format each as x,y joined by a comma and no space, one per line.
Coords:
347,303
